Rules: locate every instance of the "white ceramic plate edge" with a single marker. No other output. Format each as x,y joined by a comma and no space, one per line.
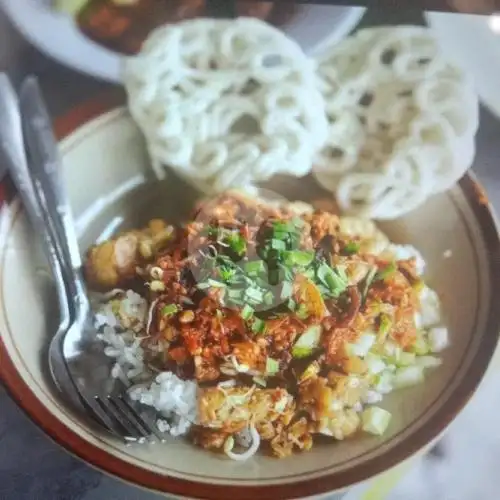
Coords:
316,25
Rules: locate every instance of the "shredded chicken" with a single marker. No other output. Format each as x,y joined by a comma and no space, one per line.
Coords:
113,263
270,353
230,409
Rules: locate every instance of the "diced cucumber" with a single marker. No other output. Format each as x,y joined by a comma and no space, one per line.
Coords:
307,342
362,346
384,382
375,420
438,338
420,347
406,359
429,307
392,350
372,397
272,366
428,361
408,376
374,363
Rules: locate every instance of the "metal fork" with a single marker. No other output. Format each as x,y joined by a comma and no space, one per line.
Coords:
77,350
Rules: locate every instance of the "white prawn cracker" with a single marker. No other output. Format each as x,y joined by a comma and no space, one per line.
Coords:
401,119
226,103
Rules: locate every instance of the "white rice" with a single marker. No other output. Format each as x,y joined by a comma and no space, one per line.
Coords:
430,309
132,307
405,252
173,398
128,354
438,338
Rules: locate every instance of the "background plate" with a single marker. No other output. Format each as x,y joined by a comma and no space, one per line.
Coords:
313,27
472,42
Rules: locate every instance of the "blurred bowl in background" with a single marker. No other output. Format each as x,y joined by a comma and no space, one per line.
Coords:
472,42
57,35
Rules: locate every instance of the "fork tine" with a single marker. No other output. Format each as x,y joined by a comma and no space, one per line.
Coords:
133,418
101,415
151,427
113,410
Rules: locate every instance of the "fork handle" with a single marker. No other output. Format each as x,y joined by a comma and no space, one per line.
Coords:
13,152
45,168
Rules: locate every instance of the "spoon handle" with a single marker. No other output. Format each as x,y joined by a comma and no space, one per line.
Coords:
13,153
45,167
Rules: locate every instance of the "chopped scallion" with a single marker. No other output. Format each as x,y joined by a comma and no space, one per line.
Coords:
237,243
307,342
386,272
333,280
204,285
279,245
341,272
215,283
297,222
268,298
258,325
286,290
351,248
302,312
384,328
281,235
213,232
367,282
302,257
169,309
260,381
255,267
272,366
247,312
309,273
227,273
254,294
287,273
301,352
235,295
285,227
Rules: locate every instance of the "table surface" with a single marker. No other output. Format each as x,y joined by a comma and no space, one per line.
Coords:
31,466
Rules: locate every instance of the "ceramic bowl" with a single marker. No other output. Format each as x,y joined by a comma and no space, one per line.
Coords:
110,185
